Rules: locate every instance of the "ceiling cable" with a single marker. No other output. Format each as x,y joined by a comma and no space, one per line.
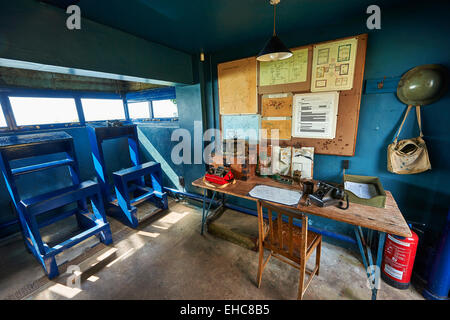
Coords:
274,15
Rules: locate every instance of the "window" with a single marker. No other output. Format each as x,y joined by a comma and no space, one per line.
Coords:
2,118
165,109
32,111
139,110
103,109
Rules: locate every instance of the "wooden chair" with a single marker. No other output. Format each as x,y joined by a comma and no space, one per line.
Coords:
287,242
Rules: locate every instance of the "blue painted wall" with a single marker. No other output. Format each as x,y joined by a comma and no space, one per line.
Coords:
410,36
190,112
33,31
159,138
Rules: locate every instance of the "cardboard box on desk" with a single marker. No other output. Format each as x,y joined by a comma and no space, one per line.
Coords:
240,166
378,198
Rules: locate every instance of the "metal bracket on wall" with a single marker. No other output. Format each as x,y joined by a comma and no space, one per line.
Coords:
385,85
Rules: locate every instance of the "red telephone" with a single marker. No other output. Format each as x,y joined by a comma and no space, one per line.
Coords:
219,175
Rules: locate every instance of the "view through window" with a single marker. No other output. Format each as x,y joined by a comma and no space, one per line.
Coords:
103,109
139,110
34,111
165,109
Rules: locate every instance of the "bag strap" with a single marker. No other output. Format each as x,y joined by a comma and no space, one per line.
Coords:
419,120
401,126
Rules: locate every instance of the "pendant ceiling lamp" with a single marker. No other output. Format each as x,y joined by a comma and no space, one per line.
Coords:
274,49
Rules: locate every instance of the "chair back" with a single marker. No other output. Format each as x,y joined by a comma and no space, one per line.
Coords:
282,236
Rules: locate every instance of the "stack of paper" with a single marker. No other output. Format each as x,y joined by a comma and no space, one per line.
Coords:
361,190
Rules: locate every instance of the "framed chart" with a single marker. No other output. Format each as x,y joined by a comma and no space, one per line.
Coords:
333,66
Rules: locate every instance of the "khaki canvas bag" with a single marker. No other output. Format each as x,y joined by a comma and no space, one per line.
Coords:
410,155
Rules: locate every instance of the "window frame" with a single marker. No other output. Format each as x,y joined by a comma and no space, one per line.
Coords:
5,114
139,96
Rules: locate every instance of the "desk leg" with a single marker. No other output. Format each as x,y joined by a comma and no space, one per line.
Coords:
360,239
373,271
381,239
260,243
205,212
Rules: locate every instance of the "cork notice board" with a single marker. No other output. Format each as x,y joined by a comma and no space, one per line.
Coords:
348,112
241,93
237,87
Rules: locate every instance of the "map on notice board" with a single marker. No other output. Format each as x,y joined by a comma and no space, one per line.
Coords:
292,70
237,86
333,65
241,126
282,124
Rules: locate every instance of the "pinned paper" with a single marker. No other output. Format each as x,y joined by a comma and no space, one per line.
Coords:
303,160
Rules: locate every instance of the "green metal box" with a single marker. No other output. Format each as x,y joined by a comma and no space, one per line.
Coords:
379,200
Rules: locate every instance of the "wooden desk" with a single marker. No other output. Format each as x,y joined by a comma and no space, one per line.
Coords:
388,219
383,220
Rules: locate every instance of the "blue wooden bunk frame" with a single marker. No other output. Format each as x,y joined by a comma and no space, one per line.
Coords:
126,181
91,223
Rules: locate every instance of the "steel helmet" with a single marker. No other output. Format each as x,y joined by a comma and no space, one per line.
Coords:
423,85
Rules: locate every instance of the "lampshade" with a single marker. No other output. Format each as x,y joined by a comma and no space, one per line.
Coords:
273,50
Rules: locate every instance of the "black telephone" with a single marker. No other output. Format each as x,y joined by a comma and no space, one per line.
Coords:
328,195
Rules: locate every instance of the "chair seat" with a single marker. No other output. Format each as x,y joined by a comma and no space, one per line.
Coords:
312,238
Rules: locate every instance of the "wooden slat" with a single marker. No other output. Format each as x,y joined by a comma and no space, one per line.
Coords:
270,226
291,241
388,219
280,230
304,244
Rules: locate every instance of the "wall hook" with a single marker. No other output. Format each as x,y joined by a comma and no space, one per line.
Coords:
380,85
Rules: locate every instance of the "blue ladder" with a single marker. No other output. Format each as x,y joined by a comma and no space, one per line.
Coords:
91,223
127,181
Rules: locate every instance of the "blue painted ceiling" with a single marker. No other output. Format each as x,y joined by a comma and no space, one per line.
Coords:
213,25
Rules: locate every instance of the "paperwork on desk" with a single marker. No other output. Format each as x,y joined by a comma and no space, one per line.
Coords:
278,195
361,190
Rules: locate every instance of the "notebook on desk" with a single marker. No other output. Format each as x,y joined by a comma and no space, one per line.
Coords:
277,195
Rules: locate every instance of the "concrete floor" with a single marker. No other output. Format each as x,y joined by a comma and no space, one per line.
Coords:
167,258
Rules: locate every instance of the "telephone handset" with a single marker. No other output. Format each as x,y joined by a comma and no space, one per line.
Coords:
328,195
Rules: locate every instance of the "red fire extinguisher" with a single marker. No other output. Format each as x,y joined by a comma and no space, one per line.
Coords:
398,260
